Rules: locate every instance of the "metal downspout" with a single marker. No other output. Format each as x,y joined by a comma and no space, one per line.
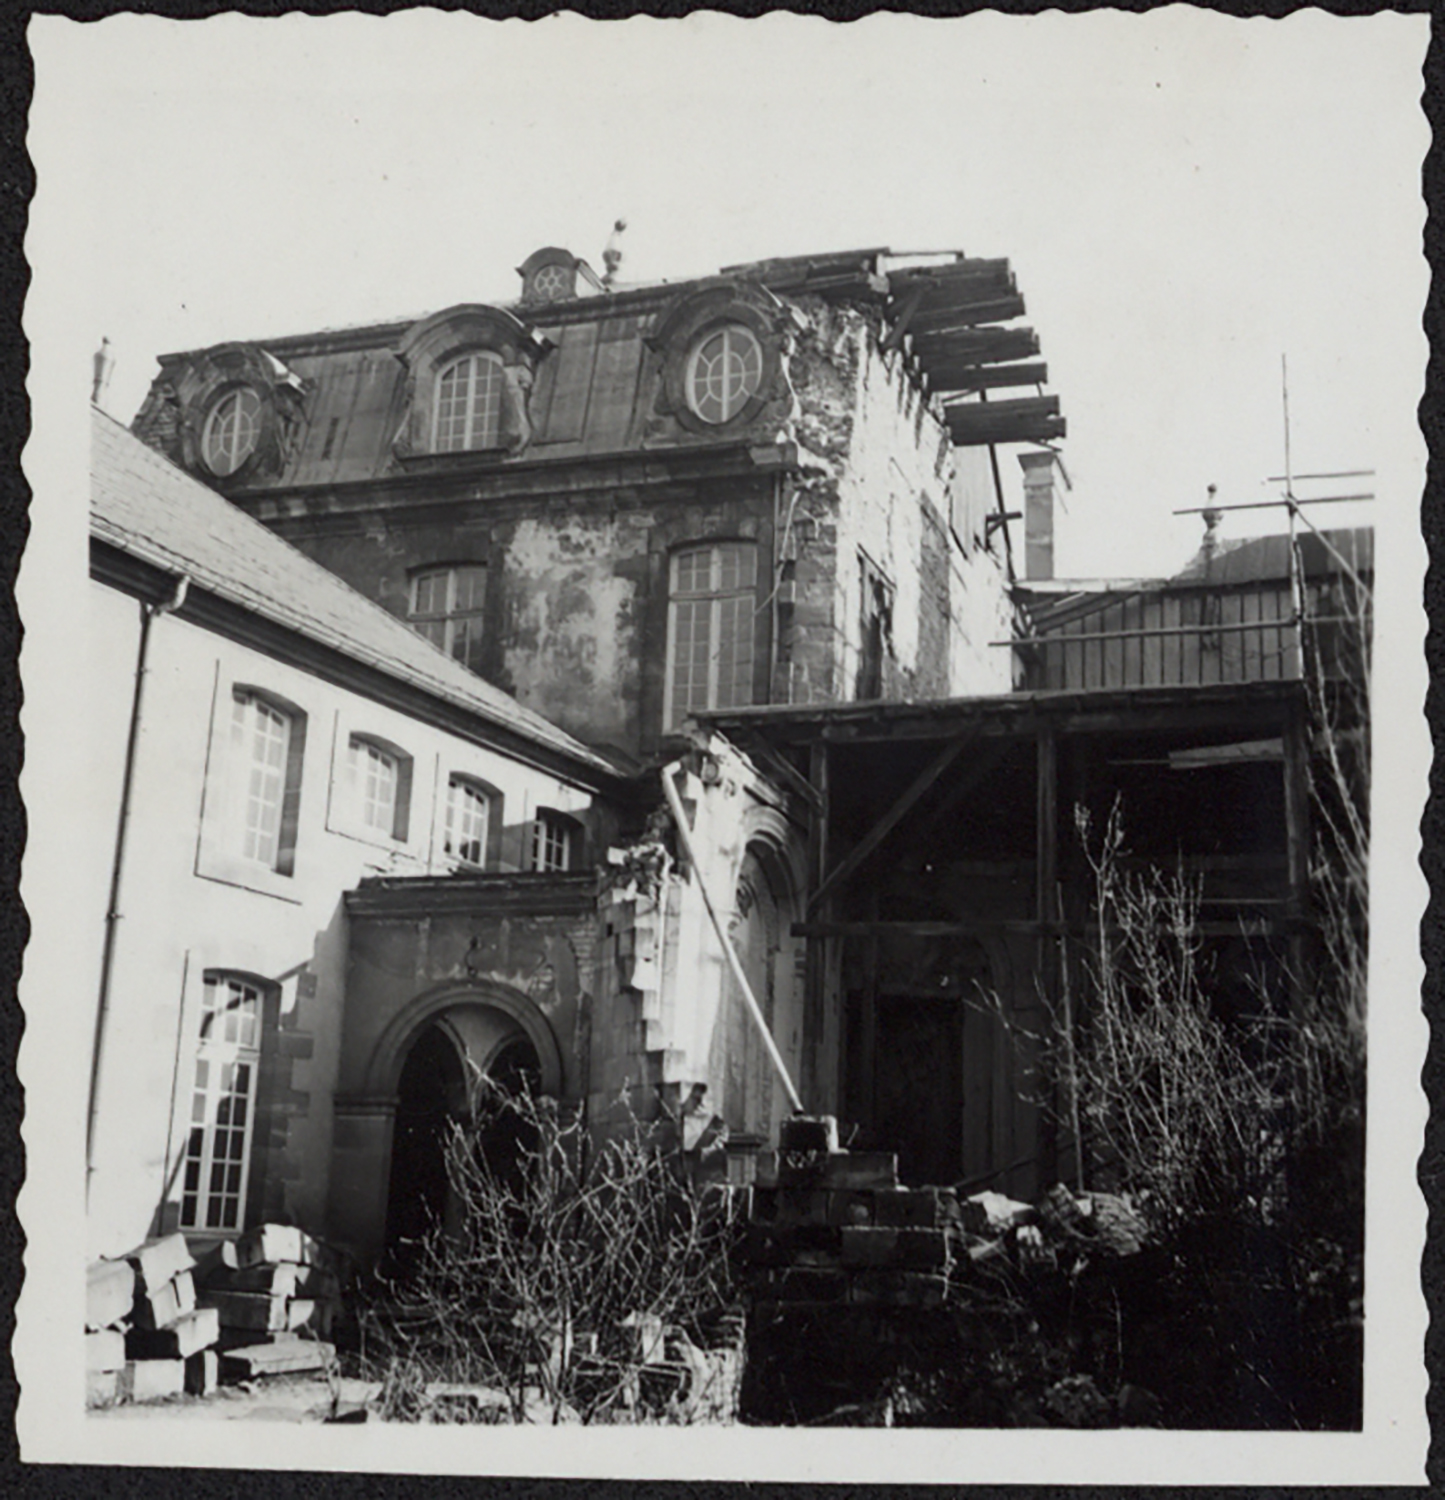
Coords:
112,912
674,803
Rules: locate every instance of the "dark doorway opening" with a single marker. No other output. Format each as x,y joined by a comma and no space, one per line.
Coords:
506,1134
431,1093
432,1096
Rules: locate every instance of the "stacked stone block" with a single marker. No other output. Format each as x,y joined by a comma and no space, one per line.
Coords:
831,1227
155,1341
276,1294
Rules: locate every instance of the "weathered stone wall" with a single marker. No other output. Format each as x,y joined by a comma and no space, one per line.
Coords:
880,481
577,587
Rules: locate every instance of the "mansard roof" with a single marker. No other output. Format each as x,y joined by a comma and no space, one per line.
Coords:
595,368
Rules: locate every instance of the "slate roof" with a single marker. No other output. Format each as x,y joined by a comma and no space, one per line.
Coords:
146,507
596,388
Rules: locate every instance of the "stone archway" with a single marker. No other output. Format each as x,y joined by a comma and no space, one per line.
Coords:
388,1160
445,1064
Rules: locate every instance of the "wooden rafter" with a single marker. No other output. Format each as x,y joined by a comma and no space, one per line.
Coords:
917,790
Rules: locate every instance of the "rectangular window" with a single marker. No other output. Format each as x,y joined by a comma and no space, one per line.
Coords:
447,607
468,816
554,841
710,637
218,1146
380,777
266,743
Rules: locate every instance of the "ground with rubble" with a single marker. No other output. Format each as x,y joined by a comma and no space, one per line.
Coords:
861,1301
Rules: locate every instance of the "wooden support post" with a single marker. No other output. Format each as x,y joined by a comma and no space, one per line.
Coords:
1297,846
868,1041
1046,907
815,987
920,787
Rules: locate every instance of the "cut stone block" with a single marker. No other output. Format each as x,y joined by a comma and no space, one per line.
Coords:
109,1292
159,1261
921,1249
104,1350
220,1257
925,1207
190,1333
279,1280
153,1379
203,1372
808,1133
272,1243
282,1358
897,1289
856,1170
160,1306
264,1312
102,1387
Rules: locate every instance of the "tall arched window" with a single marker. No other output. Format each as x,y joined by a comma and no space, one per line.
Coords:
468,408
712,604
223,1103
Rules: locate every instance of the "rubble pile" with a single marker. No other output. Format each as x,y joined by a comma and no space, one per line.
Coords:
161,1323
276,1294
146,1336
828,1226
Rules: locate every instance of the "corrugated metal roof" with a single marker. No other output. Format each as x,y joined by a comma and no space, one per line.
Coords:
1263,559
145,506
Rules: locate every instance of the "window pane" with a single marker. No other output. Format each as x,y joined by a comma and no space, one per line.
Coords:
713,639
218,1143
467,812
468,404
262,736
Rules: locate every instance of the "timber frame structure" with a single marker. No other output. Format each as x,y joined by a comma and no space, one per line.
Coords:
946,864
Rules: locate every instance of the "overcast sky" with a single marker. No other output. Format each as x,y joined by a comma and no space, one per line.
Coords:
1184,197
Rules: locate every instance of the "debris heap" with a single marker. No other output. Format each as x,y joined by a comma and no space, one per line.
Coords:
146,1336
276,1294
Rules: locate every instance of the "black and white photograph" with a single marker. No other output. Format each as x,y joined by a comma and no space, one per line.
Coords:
748,808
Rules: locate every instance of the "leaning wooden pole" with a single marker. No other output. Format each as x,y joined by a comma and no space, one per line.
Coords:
679,816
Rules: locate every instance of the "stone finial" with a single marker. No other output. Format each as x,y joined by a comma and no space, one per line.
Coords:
612,255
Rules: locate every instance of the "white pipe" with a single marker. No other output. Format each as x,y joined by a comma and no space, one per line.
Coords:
669,789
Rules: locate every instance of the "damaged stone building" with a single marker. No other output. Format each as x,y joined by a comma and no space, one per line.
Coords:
734,554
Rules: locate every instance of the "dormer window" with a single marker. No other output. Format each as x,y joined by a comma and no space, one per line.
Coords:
549,275
552,283
724,371
232,430
468,408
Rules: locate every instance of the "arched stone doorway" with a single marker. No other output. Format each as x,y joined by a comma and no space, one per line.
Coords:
448,1062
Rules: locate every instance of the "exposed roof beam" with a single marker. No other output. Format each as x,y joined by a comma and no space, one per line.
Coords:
1032,419
987,377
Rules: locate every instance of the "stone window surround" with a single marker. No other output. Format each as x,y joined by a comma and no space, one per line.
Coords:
430,347
687,324
496,803
218,855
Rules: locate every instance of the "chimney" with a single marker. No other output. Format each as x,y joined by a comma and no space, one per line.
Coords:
1038,514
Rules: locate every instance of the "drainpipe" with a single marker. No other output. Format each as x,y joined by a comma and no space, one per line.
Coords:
674,803
148,612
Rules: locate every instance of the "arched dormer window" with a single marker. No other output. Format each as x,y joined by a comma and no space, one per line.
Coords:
467,409
470,373
722,350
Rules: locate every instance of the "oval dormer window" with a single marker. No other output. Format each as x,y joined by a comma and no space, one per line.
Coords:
232,431
468,406
724,372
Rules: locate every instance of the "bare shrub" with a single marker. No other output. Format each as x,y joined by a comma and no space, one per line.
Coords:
582,1282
